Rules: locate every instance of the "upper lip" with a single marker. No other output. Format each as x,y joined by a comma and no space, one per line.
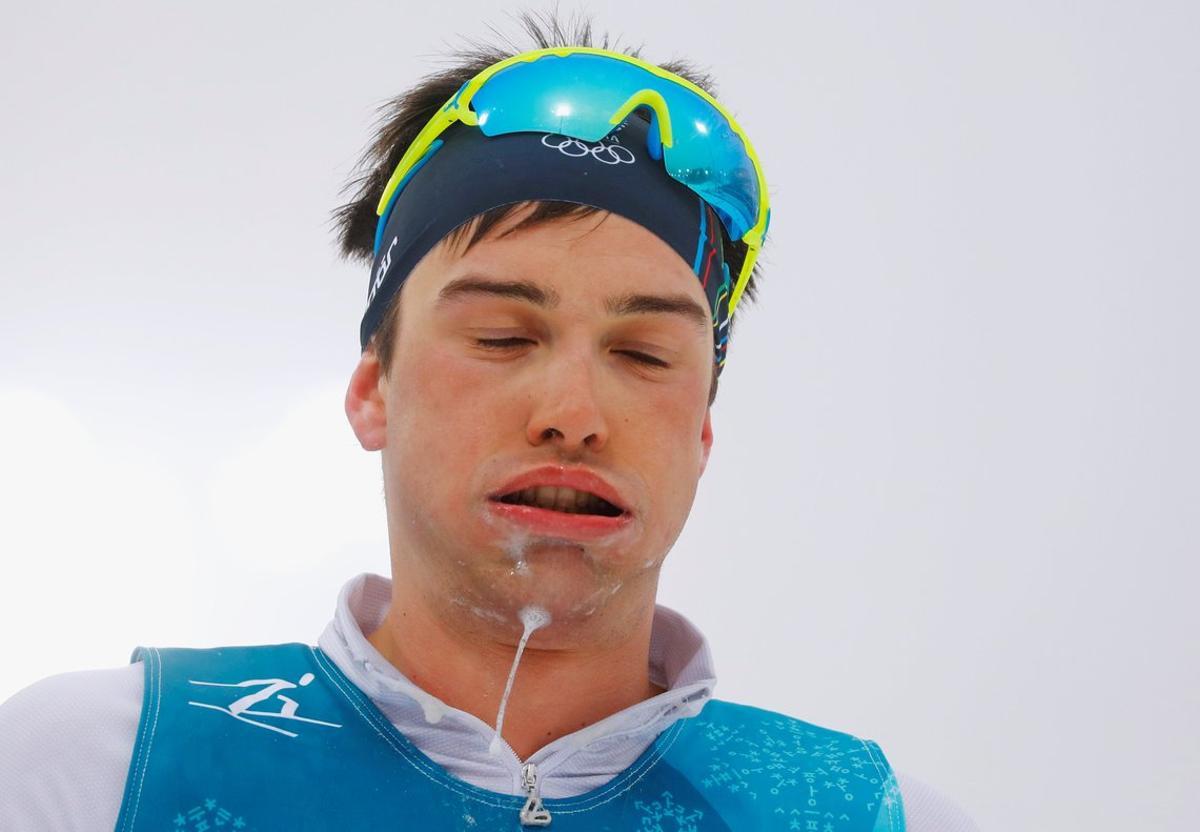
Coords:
558,476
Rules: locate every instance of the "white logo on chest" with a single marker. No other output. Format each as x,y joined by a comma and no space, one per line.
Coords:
239,709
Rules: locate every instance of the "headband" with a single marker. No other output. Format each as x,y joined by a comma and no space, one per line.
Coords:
466,173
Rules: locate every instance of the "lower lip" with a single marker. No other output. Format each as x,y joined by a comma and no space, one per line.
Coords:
560,523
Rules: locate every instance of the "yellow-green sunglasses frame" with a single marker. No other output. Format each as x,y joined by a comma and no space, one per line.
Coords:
458,109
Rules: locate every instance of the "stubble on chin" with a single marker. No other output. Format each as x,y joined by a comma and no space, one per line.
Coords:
589,604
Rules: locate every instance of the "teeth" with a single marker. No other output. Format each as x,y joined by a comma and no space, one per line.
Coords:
546,495
566,500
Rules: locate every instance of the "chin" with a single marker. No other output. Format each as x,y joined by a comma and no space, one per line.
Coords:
571,592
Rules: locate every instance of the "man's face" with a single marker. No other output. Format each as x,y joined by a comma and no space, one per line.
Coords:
577,347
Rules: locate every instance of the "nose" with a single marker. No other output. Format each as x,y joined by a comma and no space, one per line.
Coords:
568,409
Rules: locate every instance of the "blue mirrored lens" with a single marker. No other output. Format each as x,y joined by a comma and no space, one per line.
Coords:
576,95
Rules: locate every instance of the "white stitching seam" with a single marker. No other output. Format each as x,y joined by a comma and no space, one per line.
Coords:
882,782
144,754
418,764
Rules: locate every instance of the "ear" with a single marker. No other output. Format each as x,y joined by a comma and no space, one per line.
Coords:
364,403
706,439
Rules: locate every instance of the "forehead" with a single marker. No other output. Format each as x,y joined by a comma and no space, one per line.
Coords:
581,256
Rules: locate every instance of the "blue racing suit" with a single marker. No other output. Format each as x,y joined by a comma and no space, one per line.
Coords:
276,737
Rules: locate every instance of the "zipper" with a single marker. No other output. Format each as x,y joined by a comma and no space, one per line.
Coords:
533,813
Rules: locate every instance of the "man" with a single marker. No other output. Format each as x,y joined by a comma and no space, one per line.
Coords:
548,314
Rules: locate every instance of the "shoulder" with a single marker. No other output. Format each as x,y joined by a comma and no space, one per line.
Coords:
818,740
928,810
776,764
68,740
769,737
70,710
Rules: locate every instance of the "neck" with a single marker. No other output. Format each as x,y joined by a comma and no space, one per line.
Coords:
557,689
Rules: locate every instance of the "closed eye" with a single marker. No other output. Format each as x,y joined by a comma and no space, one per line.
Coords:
502,343
644,358
514,343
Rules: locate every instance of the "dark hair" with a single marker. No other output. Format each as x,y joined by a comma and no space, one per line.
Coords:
401,119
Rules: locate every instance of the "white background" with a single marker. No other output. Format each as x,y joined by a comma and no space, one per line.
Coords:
953,500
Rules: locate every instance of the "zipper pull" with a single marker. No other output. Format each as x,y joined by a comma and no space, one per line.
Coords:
533,813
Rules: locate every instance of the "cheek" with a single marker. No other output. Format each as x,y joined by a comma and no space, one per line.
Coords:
444,414
441,388
663,431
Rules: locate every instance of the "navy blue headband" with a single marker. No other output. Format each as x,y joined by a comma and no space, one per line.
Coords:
466,173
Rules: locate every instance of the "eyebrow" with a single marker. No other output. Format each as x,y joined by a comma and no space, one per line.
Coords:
635,304
516,289
530,292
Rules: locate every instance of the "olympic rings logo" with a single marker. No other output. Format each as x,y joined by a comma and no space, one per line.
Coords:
605,154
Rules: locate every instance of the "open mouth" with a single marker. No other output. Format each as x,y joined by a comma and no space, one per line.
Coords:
557,498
